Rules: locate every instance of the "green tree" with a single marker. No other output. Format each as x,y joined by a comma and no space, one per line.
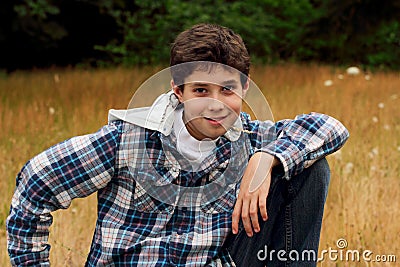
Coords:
131,32
271,28
351,31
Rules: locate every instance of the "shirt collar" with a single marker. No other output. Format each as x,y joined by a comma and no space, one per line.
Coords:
160,116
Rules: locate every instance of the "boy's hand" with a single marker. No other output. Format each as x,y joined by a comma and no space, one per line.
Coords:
253,193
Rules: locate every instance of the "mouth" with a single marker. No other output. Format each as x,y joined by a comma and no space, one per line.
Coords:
215,120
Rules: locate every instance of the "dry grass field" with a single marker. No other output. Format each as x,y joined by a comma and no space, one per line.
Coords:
40,108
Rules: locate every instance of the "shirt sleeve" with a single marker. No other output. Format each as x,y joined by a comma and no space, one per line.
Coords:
72,169
302,141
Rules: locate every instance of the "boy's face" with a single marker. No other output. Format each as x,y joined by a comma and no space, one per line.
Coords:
212,101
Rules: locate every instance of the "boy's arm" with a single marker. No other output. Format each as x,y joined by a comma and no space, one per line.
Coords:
74,168
298,144
304,140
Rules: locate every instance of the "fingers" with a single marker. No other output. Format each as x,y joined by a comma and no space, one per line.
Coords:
256,204
248,211
253,212
236,216
262,204
247,207
246,218
253,194
262,199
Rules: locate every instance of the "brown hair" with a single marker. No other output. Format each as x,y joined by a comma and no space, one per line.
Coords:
212,43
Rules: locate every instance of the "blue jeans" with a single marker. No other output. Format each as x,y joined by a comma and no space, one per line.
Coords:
290,236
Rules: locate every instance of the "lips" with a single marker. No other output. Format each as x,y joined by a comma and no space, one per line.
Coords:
215,120
219,119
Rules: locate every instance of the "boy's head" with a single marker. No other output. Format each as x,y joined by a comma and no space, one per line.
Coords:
211,43
210,67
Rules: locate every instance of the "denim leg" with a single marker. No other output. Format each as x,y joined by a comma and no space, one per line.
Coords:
292,231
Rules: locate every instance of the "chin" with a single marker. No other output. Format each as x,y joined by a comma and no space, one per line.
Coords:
216,135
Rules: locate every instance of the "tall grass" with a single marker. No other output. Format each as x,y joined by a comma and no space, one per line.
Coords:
41,108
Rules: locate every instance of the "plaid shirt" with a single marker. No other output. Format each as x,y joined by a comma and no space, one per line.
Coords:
134,228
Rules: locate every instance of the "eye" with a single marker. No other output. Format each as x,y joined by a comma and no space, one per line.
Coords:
228,88
200,90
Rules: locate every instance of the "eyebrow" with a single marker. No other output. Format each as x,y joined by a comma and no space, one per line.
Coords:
207,84
229,82
199,84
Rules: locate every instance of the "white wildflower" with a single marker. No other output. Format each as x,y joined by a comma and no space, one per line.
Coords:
374,152
386,127
56,78
52,110
353,71
381,105
328,83
340,76
375,119
348,168
367,77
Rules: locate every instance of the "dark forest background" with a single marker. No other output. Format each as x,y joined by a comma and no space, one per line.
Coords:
87,33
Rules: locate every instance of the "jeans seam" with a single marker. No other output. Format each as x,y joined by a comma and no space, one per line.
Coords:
288,231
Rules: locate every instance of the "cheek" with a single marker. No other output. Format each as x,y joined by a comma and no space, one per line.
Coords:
235,105
193,110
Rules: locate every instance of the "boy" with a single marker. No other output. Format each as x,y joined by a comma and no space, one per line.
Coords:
168,176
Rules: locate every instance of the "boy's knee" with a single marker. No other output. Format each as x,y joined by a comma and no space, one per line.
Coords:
319,174
313,180
321,169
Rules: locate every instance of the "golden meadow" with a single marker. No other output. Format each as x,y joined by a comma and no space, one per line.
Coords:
40,108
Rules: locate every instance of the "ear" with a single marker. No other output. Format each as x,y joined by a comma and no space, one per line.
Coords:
246,87
177,91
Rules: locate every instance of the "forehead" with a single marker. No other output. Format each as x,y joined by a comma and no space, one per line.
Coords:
216,75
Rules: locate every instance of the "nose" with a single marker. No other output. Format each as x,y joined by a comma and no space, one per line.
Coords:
214,104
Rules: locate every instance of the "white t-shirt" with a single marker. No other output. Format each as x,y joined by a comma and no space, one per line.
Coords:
192,149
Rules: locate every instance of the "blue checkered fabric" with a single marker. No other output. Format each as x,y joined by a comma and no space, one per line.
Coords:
133,227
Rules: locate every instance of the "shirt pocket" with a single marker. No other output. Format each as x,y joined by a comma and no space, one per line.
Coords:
224,204
144,202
